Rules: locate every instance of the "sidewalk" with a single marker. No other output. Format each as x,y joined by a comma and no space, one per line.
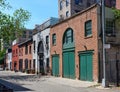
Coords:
69,82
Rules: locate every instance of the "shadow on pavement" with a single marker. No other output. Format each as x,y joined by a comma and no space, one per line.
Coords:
14,86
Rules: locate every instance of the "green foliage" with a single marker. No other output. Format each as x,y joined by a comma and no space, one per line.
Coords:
117,18
4,4
116,13
2,53
11,26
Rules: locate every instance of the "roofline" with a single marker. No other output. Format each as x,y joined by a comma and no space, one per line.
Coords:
29,40
79,13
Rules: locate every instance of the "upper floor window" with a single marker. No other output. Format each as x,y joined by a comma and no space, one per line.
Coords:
88,28
54,39
67,2
61,5
47,39
67,14
30,50
16,52
68,36
26,49
109,27
34,46
77,2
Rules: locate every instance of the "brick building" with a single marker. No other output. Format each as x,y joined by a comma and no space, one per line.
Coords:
15,58
69,43
25,56
76,45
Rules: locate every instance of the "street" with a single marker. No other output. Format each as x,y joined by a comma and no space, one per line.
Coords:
21,82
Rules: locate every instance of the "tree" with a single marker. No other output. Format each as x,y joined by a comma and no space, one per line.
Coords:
11,26
117,18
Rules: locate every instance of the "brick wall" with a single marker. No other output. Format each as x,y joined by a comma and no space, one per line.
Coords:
27,56
118,4
15,54
77,24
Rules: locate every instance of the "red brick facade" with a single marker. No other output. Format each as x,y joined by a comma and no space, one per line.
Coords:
25,54
15,58
91,43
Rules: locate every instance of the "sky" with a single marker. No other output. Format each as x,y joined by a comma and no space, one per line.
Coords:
40,10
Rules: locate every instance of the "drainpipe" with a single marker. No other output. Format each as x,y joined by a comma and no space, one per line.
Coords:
104,81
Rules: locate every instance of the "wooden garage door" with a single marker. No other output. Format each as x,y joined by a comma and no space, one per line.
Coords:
69,64
86,66
55,65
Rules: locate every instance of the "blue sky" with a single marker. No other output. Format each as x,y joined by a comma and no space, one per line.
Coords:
40,10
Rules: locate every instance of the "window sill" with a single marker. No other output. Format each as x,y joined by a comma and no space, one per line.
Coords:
54,45
89,36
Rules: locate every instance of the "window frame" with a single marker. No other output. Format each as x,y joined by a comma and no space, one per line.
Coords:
61,5
67,3
67,14
54,39
88,28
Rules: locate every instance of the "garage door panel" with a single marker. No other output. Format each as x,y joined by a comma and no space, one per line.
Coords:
65,65
83,67
72,64
55,65
69,64
86,70
89,67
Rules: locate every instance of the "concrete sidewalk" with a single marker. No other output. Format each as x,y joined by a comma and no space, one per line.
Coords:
71,82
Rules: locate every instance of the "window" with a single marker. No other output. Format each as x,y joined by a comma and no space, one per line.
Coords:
30,50
26,49
16,52
34,46
61,5
22,52
47,39
54,39
33,63
19,52
68,36
67,14
88,28
77,2
30,64
67,2
88,4
109,26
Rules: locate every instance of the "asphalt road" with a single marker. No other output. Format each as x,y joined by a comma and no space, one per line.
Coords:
32,83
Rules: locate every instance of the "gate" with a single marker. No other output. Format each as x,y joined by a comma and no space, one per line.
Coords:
113,68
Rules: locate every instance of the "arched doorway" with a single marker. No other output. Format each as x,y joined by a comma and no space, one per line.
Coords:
68,54
41,57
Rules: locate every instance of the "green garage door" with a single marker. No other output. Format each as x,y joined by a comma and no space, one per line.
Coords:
55,65
69,64
86,66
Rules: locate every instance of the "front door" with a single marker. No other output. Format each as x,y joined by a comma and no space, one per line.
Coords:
41,62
